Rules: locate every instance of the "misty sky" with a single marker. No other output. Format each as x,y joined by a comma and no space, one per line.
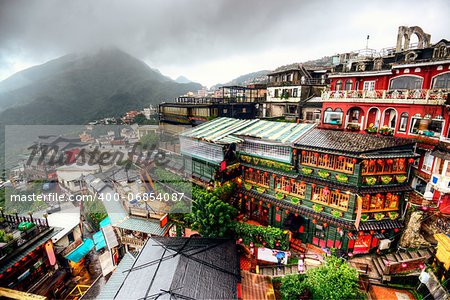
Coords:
208,41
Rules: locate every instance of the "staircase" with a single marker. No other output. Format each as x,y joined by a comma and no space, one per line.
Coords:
393,263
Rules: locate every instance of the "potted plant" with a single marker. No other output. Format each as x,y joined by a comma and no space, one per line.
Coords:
364,217
401,178
371,128
385,179
341,178
353,127
323,174
392,215
295,200
317,208
248,186
371,180
279,195
336,213
260,190
385,130
378,216
307,171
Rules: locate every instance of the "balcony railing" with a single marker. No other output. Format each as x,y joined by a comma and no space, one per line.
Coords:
426,95
135,242
306,81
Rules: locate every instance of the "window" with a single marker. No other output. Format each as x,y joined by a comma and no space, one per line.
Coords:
244,110
338,85
372,166
309,116
332,117
281,153
330,198
349,85
201,150
276,93
427,127
328,161
406,83
225,110
369,86
442,81
427,162
295,92
257,177
380,202
290,186
403,122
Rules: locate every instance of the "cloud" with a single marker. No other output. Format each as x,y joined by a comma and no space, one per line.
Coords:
180,36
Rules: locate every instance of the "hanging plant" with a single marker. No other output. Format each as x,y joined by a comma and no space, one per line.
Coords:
307,171
371,180
378,216
256,160
385,179
295,200
261,190
279,196
393,215
401,178
248,186
336,213
317,208
341,178
323,174
364,218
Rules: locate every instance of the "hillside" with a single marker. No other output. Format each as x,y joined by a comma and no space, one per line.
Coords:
77,88
246,79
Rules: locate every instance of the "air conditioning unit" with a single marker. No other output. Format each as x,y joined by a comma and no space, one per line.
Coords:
384,244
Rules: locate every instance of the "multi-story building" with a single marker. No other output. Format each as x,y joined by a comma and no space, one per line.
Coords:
401,91
289,90
231,101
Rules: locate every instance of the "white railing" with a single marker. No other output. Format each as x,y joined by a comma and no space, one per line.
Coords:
419,94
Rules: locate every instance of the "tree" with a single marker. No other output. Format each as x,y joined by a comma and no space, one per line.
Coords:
293,286
333,280
210,216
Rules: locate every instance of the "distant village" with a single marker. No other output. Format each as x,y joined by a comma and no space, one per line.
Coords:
230,193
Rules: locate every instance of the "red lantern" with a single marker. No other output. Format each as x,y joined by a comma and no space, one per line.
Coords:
390,161
240,195
296,215
380,162
371,162
283,177
326,156
257,171
340,158
368,196
268,205
372,232
316,154
302,183
361,233
396,229
314,221
350,234
379,195
251,170
295,151
325,188
382,230
404,265
411,160
287,211
338,191
303,152
325,225
354,160
243,167
277,208
313,185
260,202
265,173
245,197
292,180
274,175
338,229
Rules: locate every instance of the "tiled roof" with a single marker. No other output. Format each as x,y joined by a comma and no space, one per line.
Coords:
380,225
281,132
349,142
218,130
149,226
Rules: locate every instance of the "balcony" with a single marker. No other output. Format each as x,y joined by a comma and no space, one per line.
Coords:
132,241
431,97
441,183
306,81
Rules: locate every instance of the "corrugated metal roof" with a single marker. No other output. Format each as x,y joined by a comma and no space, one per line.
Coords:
149,226
219,130
114,283
281,132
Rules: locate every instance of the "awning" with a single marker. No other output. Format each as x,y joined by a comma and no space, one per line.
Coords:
105,222
99,240
78,253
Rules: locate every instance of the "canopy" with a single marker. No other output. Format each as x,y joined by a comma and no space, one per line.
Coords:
105,222
78,253
99,240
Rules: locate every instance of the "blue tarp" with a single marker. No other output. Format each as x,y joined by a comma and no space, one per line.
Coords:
105,222
99,240
78,253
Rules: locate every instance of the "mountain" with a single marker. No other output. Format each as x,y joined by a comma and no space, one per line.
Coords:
78,88
182,79
255,77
